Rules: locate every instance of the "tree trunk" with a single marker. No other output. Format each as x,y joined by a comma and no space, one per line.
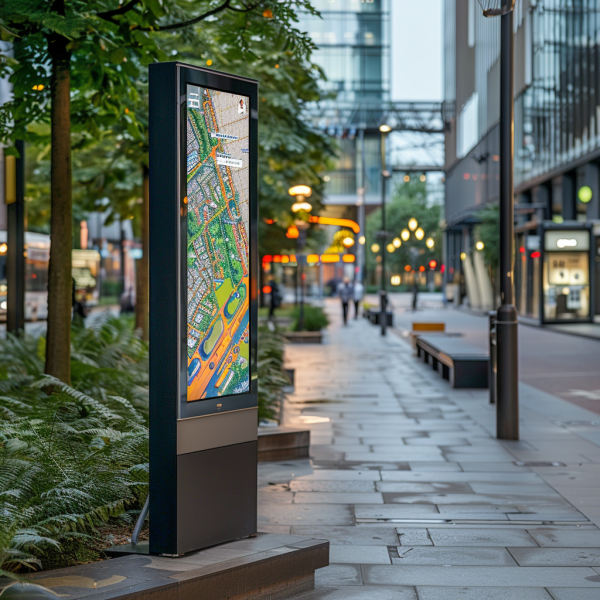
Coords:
60,282
142,294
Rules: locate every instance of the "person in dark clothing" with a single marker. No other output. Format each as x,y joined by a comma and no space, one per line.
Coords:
415,291
346,293
275,298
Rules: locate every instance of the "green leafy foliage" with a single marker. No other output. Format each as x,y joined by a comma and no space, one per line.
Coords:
69,460
315,318
409,200
489,234
271,376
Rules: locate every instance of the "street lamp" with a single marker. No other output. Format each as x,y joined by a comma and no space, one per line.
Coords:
507,405
405,235
430,243
419,234
348,242
397,242
384,129
413,224
300,193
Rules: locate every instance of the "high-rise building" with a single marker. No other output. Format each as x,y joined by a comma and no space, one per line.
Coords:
557,153
353,50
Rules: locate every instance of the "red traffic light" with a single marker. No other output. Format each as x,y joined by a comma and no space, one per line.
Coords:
432,264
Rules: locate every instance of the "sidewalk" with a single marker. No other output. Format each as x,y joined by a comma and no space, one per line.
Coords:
414,493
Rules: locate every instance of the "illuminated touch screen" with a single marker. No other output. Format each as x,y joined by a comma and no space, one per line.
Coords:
218,184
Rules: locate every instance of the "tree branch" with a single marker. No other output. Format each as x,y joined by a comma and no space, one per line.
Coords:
195,20
109,14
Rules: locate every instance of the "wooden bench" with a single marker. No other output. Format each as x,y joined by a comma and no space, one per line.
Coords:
422,326
463,364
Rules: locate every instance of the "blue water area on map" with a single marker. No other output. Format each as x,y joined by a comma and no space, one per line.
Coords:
235,296
211,391
193,370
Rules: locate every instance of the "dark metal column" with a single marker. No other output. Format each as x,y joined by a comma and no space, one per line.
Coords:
15,255
382,241
507,407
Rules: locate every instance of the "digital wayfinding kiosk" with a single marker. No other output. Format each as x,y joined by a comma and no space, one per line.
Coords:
203,307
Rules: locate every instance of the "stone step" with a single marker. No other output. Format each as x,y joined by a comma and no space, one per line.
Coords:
282,443
261,568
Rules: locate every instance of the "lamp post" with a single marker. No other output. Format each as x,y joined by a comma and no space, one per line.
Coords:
300,193
507,406
384,129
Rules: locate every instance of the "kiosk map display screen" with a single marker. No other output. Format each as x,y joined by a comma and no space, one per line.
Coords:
218,221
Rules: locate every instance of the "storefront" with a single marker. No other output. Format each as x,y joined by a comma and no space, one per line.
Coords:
554,273
567,275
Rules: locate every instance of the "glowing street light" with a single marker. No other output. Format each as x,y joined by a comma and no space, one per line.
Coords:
375,248
430,243
385,128
413,224
348,242
480,246
391,248
362,240
405,235
419,234
300,190
397,242
298,206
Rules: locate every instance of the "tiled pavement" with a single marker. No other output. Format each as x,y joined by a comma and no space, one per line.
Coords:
417,498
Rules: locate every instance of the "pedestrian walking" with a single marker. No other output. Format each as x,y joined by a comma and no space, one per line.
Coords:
275,298
415,292
346,293
359,294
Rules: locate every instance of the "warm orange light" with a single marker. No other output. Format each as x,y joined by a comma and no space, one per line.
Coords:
267,258
209,62
312,258
349,258
268,13
300,190
407,268
277,258
3,248
292,232
432,264
285,260
269,221
267,289
330,258
422,268
339,222
293,258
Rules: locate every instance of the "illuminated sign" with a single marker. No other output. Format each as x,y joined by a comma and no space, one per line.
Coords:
218,308
567,240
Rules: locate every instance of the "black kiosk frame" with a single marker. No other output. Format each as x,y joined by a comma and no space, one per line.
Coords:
203,454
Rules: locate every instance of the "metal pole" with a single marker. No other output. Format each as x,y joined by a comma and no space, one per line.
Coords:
383,239
15,254
507,407
361,208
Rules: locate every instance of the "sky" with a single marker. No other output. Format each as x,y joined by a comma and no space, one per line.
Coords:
416,49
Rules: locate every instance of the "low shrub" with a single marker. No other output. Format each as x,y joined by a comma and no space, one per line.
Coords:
315,318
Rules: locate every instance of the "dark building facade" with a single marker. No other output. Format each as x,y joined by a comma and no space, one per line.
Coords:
557,153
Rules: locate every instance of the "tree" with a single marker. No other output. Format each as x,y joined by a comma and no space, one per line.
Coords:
409,200
90,52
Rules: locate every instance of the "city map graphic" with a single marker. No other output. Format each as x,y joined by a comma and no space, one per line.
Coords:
217,245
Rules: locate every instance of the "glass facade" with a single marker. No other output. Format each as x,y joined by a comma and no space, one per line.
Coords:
354,52
557,117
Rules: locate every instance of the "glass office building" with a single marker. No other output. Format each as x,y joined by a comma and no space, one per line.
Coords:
353,50
557,151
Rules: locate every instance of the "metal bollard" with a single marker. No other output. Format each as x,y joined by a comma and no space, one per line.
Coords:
492,365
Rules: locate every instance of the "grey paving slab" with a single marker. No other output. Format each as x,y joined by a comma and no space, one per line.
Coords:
573,593
522,489
484,593
305,514
396,454
414,537
331,475
418,575
424,555
435,466
394,511
338,575
303,485
365,555
414,487
442,476
367,592
481,537
491,509
475,499
337,498
379,535
566,538
559,557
